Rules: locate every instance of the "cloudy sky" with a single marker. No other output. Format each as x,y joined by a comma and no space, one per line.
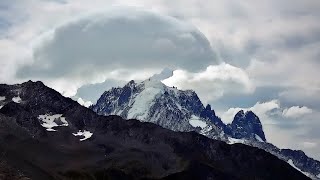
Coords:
256,55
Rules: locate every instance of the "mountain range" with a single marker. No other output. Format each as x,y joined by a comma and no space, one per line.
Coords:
182,111
44,135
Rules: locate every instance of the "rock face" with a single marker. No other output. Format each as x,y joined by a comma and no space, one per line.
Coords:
117,148
209,113
247,126
302,161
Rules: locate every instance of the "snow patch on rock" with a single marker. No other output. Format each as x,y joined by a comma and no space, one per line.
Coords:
84,133
84,103
50,121
291,163
2,98
206,130
235,141
294,166
16,99
195,121
258,138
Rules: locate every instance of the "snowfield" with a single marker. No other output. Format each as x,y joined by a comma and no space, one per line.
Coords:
50,121
196,122
145,100
86,134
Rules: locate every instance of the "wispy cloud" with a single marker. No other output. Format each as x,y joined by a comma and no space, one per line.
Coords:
296,111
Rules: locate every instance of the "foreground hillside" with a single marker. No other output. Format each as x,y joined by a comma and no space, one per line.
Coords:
44,135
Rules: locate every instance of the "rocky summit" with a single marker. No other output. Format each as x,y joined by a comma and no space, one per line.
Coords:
247,125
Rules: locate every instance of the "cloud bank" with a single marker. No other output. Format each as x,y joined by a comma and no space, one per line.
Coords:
296,111
127,39
213,82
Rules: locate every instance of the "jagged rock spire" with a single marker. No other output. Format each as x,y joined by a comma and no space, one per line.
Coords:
247,125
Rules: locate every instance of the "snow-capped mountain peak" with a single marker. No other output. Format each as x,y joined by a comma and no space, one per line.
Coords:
178,110
152,101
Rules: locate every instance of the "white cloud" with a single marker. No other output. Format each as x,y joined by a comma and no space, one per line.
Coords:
296,111
84,103
261,109
227,116
213,82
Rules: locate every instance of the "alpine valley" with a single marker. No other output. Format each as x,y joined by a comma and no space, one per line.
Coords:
182,111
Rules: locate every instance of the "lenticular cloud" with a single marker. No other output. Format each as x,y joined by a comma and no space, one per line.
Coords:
125,38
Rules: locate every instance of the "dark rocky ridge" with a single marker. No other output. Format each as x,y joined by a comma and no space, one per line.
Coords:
118,149
302,160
